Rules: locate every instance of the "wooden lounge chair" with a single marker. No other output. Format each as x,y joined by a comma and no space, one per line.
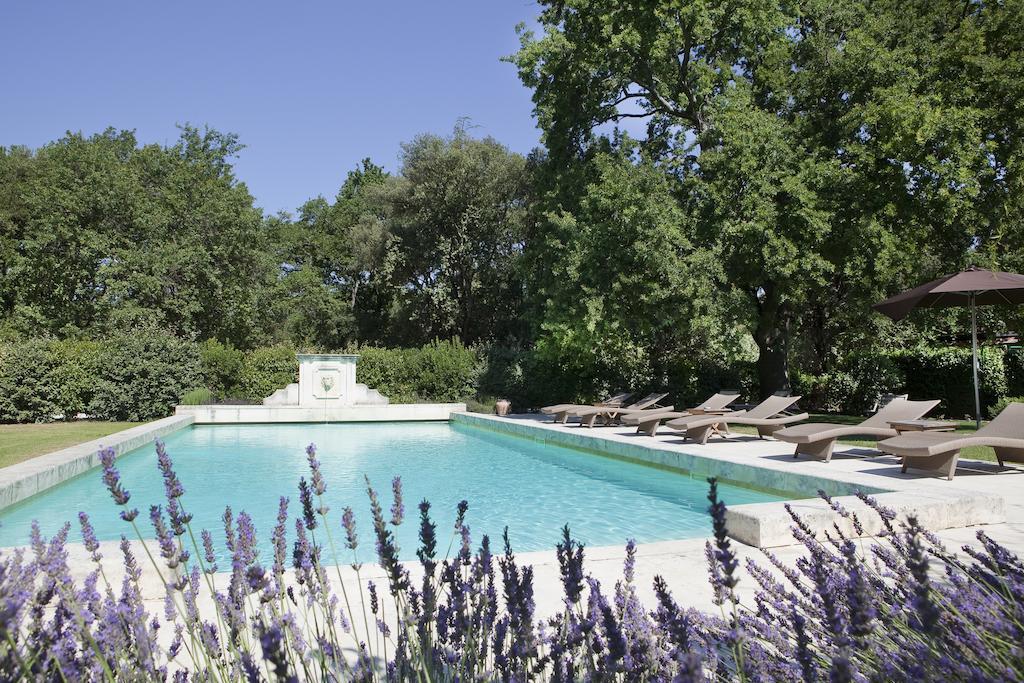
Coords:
817,439
767,416
647,422
608,416
560,412
940,451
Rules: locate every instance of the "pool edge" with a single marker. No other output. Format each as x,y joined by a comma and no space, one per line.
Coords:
23,480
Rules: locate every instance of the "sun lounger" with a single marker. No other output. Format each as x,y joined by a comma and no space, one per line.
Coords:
560,411
940,451
767,416
607,416
647,422
817,439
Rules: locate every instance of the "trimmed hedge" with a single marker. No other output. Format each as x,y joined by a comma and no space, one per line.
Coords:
265,370
923,373
143,375
442,371
137,376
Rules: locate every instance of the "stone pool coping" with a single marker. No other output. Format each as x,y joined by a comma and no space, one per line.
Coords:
253,414
938,504
25,479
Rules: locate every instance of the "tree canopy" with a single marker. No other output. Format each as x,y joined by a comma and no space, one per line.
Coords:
718,183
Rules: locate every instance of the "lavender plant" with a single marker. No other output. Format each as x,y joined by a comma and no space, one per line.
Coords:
899,608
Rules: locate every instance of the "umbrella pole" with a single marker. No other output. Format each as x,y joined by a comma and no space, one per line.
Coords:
974,355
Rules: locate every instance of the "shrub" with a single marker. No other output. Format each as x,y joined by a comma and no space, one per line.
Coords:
946,373
999,405
868,610
74,375
27,389
143,375
200,396
266,370
389,371
691,383
869,375
1014,362
222,366
446,371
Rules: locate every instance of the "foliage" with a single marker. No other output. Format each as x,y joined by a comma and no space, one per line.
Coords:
26,391
442,371
446,371
846,611
999,405
221,367
457,214
946,373
143,375
200,396
103,225
1014,362
266,370
824,154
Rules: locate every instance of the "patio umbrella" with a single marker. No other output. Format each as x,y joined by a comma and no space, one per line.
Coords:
973,287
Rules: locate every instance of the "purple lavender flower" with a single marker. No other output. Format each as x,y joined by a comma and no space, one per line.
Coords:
570,563
279,538
924,606
89,539
316,477
724,555
168,548
112,479
306,498
371,587
348,521
209,555
397,508
271,641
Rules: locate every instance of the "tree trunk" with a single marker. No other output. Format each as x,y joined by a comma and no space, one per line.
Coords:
772,338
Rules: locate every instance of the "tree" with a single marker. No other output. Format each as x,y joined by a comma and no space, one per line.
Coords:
456,213
808,138
102,228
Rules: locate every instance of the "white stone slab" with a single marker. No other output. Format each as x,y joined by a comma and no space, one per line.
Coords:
396,412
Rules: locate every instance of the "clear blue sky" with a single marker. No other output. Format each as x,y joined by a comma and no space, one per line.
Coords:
310,87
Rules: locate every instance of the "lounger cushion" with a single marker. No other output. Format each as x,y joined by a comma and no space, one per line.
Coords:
819,431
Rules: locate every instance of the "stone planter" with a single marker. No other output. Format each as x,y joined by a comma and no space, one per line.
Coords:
502,406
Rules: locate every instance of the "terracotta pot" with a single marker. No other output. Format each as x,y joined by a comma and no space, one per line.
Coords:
502,406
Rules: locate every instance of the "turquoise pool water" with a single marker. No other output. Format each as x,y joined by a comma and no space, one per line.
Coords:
533,488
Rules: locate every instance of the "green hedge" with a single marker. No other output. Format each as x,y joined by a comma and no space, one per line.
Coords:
1014,362
265,370
442,371
923,373
137,376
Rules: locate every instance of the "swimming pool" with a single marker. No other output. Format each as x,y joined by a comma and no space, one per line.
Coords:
532,487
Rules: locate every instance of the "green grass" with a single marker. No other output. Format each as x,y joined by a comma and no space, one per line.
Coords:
23,442
965,427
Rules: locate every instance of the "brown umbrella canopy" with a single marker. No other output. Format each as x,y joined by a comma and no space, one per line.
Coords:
972,288
988,288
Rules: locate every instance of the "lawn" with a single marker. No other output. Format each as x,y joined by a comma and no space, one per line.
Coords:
965,427
20,442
